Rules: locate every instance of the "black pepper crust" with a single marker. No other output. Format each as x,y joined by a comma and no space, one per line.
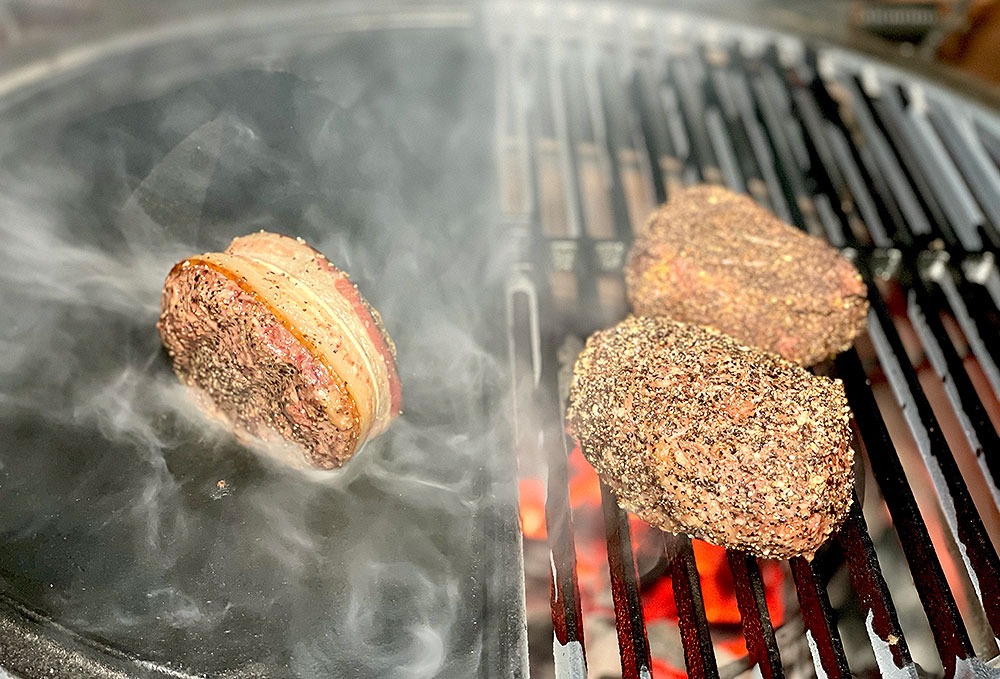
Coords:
696,433
714,257
225,343
376,316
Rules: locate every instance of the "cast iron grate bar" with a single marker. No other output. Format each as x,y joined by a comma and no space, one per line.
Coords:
765,102
977,315
945,618
538,370
885,634
961,514
960,511
757,134
722,141
619,165
961,228
559,214
981,559
633,176
979,171
976,424
990,140
819,620
814,605
692,107
757,628
701,162
539,365
699,655
591,163
666,167
946,624
950,187
512,151
972,306
741,120
891,651
907,210
698,651
887,108
567,615
719,90
632,640
630,624
757,622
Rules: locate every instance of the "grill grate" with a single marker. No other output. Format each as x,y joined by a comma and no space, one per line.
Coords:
598,125
757,626
693,624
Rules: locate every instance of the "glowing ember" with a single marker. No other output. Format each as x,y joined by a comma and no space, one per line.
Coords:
718,592
661,669
532,506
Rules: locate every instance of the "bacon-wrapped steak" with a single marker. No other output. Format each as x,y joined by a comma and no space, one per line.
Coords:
281,346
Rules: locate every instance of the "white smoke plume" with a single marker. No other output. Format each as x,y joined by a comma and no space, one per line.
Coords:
128,515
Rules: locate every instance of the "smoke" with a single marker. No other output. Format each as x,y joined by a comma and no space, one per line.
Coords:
130,516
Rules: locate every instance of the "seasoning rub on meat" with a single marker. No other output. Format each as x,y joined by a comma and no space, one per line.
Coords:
697,433
280,345
713,257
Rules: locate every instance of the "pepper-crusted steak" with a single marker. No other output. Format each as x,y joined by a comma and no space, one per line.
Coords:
696,433
716,258
281,345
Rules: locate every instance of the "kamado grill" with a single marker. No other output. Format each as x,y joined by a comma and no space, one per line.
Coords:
138,542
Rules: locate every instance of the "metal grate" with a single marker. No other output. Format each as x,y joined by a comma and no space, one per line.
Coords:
597,125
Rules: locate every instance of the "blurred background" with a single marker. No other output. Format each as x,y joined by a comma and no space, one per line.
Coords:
962,33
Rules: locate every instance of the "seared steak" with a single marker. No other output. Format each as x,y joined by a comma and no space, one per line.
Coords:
713,257
281,346
696,433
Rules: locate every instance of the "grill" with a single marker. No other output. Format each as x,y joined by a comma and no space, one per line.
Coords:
596,126
410,563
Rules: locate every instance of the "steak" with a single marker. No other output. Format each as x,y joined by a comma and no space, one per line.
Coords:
696,433
277,343
713,257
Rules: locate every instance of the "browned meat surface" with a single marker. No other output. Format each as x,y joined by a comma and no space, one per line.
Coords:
281,347
698,434
713,257
258,376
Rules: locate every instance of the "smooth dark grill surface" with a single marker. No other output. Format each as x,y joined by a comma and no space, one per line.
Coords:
598,126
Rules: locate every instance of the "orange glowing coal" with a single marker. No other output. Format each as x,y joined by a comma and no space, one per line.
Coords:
717,587
532,506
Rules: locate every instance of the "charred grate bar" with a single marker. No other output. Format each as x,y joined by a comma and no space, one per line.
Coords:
891,651
950,634
567,617
757,626
819,620
958,505
695,636
622,108
632,640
